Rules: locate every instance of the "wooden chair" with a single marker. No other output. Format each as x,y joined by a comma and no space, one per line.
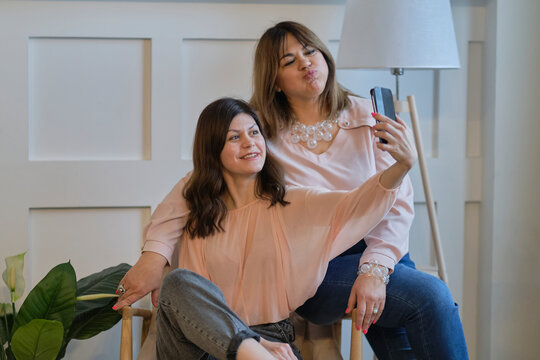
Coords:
148,332
126,340
356,336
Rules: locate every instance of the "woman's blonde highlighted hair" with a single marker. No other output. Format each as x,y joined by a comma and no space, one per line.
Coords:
273,107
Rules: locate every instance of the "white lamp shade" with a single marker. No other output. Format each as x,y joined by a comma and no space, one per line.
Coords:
415,34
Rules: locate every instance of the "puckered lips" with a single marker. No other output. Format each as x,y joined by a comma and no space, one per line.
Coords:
310,75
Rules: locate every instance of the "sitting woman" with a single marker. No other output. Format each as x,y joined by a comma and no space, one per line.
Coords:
252,250
322,136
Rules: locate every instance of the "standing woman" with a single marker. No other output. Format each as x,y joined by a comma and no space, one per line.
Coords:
323,136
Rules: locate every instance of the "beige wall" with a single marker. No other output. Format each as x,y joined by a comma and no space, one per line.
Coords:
510,289
497,306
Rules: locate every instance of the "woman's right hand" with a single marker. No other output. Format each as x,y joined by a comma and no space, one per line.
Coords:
281,351
143,277
400,145
399,137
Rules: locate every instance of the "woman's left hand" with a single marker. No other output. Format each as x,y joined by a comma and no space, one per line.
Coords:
281,351
369,295
399,137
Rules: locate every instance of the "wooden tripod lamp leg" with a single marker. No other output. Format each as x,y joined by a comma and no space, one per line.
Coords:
427,190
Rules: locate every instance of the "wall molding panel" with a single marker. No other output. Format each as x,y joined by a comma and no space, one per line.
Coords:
89,98
107,236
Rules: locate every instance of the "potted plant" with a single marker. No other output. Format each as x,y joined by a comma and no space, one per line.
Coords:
58,309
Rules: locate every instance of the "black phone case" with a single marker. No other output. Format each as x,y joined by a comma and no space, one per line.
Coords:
383,103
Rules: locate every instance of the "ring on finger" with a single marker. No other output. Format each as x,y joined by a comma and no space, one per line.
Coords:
121,289
375,311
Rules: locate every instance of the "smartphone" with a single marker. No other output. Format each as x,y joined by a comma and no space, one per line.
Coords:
383,103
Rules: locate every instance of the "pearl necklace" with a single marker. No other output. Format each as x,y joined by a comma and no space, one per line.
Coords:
312,134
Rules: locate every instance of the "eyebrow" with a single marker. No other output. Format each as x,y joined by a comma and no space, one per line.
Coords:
290,54
237,131
285,55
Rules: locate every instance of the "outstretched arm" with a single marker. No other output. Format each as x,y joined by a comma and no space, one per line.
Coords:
161,235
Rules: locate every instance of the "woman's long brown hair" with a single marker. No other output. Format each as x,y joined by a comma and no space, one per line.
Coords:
205,188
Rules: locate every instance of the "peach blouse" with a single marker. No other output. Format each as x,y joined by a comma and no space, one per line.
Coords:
270,260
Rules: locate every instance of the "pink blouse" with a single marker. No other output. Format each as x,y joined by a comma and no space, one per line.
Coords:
349,161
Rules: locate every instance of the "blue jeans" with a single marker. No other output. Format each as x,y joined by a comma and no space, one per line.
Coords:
195,323
420,319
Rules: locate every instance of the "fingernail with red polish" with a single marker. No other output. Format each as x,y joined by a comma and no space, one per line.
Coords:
364,331
373,114
347,311
374,322
358,328
115,307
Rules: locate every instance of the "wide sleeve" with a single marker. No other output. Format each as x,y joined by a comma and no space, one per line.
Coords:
163,231
319,220
388,242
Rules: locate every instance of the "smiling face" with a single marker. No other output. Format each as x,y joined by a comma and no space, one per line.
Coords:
244,152
302,71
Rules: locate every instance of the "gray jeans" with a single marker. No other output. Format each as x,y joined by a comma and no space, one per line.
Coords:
194,321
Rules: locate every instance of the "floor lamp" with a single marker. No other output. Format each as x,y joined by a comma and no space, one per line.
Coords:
398,35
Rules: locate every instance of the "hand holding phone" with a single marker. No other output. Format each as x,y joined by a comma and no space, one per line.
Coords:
383,103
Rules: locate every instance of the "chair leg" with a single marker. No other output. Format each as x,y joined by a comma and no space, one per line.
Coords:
126,345
337,332
126,339
356,339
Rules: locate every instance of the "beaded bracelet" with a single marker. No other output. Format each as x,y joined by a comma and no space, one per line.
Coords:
376,270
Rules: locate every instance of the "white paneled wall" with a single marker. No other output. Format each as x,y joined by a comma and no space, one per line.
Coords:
212,68
83,236
98,106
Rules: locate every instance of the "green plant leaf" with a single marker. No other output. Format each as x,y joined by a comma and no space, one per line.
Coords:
95,316
93,321
39,339
53,298
106,281
13,276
